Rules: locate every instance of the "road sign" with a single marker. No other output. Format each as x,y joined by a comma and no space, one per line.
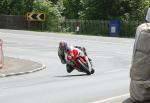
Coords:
35,16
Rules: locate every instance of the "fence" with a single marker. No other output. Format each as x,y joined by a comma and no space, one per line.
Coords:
88,27
99,27
18,22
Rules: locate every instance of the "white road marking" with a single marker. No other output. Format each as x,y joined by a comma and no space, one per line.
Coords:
112,98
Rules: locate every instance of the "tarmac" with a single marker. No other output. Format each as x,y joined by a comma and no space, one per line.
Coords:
15,66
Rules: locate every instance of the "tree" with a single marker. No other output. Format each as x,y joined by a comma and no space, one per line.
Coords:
4,7
28,5
117,9
100,9
54,1
15,7
72,9
52,11
139,9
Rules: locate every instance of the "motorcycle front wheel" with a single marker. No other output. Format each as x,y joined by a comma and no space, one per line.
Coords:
84,67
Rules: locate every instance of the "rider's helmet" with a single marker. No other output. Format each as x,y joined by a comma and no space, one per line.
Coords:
63,45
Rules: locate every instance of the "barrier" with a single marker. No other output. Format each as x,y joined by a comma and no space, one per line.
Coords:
1,53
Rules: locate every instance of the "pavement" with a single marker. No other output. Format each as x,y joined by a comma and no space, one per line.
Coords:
15,66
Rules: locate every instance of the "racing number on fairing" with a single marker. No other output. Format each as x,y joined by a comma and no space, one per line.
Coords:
72,55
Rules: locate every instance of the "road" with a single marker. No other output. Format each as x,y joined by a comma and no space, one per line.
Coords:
111,59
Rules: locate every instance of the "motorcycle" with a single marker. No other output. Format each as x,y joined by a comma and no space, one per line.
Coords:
79,61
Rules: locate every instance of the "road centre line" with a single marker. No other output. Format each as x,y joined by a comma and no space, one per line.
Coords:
112,98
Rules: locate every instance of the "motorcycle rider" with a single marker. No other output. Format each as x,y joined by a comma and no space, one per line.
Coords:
64,48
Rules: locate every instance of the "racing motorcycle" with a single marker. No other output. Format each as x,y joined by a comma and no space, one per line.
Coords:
79,61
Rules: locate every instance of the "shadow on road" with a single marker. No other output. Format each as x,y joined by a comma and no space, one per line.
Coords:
77,75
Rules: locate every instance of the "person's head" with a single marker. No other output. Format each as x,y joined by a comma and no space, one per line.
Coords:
63,45
147,18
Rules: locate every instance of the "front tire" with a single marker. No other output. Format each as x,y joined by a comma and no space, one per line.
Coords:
84,67
92,71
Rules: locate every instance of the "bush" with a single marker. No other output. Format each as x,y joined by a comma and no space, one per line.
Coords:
128,29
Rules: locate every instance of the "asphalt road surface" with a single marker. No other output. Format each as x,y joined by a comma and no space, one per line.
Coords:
111,59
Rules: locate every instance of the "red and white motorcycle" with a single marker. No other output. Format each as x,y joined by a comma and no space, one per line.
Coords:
79,61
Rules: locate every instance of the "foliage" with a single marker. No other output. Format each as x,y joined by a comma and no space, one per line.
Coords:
15,7
125,10
72,9
53,12
106,9
134,9
4,8
100,9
